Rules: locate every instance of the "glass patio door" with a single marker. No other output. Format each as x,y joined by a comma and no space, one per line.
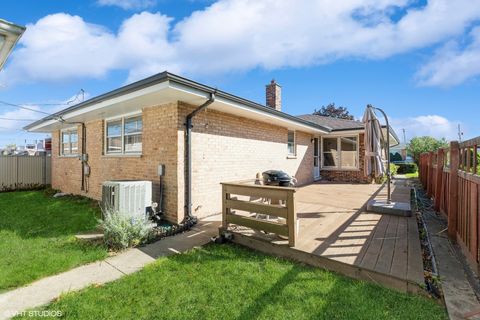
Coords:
316,158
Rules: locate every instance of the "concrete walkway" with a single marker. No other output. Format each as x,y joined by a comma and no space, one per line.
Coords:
47,289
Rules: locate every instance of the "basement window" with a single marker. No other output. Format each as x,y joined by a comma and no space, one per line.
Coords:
291,143
340,153
124,135
69,142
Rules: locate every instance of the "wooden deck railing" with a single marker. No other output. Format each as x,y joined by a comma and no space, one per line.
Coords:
452,177
252,200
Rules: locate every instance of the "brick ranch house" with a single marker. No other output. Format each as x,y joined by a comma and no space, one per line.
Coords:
127,133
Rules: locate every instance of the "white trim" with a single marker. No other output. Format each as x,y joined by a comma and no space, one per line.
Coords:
123,155
339,167
69,156
69,130
122,118
318,157
294,154
203,95
105,104
124,115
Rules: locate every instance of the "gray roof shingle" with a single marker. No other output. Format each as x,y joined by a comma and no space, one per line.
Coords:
333,123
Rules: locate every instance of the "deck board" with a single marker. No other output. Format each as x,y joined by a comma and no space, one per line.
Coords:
370,258
333,224
400,259
414,252
385,257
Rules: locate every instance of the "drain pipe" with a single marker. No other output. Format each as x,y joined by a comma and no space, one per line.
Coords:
189,218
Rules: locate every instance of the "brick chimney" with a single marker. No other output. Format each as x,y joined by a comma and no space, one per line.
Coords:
273,94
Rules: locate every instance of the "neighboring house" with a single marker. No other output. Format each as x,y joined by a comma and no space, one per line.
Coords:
127,133
398,153
9,35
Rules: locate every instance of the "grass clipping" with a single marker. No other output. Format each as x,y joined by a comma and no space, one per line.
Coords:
123,231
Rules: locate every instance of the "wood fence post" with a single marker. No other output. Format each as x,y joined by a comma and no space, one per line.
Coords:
429,174
420,168
453,195
438,180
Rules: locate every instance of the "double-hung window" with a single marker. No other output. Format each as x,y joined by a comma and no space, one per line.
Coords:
69,142
124,135
291,148
340,152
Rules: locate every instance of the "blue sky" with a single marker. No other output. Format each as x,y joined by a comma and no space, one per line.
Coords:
418,60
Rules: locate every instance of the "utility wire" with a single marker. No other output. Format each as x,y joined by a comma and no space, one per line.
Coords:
25,105
11,119
22,107
11,129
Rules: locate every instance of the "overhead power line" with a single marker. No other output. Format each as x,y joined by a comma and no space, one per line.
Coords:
23,107
26,106
11,129
12,119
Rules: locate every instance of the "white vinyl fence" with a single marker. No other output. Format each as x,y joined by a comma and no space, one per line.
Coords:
22,172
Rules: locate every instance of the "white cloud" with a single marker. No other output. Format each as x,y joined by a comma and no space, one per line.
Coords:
427,125
61,46
128,4
236,35
453,65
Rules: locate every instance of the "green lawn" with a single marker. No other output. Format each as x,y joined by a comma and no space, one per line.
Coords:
37,236
412,175
229,282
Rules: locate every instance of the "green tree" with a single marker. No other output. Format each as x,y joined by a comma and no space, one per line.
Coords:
333,111
419,145
395,157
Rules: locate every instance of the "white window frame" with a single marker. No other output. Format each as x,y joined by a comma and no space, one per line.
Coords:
62,150
340,166
122,119
294,144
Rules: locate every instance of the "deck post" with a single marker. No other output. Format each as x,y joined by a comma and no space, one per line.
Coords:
291,218
438,180
225,209
453,194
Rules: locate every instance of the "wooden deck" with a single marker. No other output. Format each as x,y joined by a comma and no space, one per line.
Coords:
333,225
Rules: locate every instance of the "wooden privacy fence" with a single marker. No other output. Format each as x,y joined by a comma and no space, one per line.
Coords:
451,177
253,205
22,172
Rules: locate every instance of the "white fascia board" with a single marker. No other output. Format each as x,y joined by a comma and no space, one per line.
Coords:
41,125
119,99
189,90
103,104
10,33
276,119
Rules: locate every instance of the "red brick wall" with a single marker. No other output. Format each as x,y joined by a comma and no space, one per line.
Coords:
231,148
159,147
350,175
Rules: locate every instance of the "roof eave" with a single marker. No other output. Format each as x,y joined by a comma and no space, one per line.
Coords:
13,33
166,76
